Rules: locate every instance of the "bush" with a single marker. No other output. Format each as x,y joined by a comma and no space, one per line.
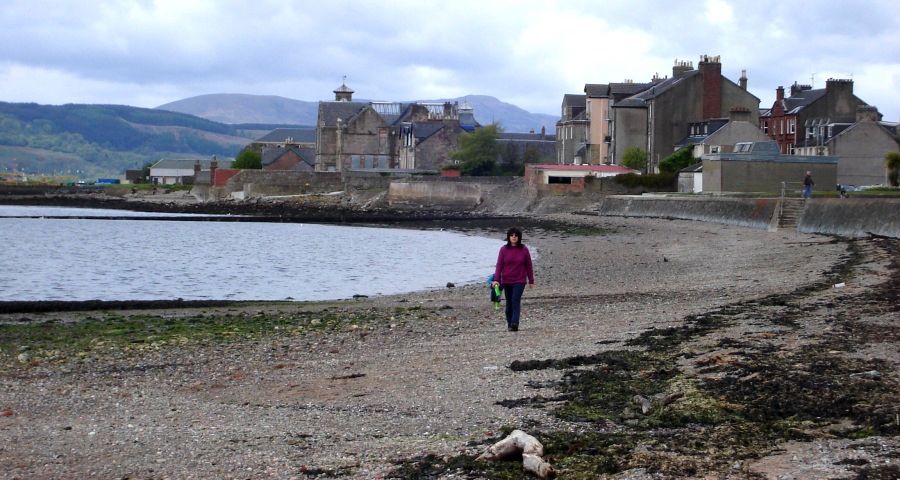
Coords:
659,181
248,160
634,158
678,160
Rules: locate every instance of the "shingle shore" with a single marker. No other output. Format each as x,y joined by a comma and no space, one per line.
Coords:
427,380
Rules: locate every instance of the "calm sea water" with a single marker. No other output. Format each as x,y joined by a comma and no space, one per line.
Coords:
87,259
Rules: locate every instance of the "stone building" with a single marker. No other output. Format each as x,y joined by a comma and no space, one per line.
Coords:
859,146
600,98
796,120
657,117
571,130
518,149
719,135
387,135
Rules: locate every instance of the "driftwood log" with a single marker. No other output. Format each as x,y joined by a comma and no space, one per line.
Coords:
530,448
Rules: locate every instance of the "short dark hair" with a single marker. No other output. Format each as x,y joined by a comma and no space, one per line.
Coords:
518,232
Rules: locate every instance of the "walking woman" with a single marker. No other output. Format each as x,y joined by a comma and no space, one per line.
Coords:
513,270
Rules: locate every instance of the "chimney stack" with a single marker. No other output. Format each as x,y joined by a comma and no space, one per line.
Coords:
213,165
797,88
743,80
711,71
779,93
681,67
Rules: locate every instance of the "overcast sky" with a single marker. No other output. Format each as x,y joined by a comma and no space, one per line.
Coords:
146,53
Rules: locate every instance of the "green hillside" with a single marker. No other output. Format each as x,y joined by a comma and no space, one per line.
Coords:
105,140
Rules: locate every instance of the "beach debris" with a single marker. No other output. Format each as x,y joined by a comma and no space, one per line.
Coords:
656,401
530,448
840,285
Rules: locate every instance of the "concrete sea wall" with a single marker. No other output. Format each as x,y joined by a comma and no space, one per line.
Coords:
849,217
746,212
852,217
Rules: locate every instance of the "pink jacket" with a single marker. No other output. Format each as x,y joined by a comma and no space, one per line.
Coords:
514,265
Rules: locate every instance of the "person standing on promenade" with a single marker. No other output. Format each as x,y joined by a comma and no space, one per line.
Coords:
808,185
512,271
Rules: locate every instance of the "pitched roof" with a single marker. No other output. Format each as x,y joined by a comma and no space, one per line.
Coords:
188,163
622,90
596,90
295,135
531,137
574,99
795,103
653,90
306,154
423,130
329,112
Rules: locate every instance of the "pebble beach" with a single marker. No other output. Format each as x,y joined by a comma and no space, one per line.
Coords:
384,387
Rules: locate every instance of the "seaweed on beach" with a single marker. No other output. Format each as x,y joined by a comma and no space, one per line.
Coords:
736,406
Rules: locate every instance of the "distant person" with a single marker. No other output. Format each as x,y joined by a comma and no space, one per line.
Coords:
512,271
808,185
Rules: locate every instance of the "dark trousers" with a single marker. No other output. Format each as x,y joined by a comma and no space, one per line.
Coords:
513,293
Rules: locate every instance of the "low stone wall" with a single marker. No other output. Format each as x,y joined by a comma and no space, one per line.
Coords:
259,183
435,194
462,193
746,212
852,217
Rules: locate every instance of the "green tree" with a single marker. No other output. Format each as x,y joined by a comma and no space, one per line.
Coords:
248,160
892,162
634,158
478,151
676,161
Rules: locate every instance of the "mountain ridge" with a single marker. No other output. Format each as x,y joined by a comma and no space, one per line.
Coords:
239,108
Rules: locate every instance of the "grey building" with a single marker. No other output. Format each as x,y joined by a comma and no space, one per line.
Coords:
859,146
719,135
656,118
761,167
517,149
571,130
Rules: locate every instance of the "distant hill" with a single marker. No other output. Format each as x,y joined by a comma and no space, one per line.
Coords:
92,141
240,108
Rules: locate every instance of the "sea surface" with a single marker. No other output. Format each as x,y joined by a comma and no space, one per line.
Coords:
94,259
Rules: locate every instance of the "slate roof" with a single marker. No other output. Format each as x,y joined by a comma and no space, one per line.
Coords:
695,168
767,152
525,137
619,91
795,103
596,90
188,163
423,130
574,99
329,112
653,90
715,125
306,154
281,135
